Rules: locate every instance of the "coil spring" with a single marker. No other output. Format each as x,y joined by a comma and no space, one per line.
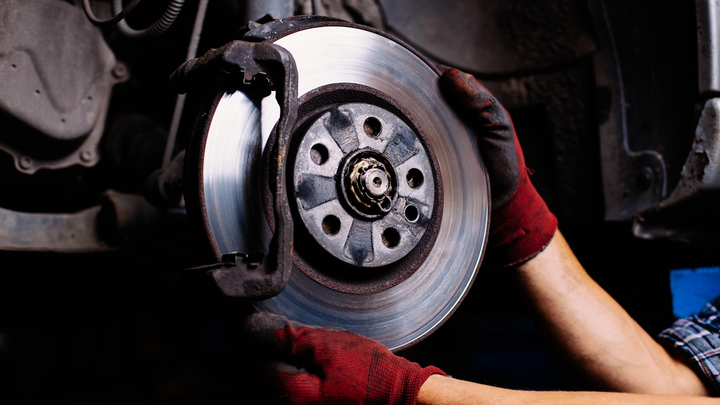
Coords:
160,26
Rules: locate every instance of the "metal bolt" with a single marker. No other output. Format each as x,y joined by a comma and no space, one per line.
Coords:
376,182
86,155
26,162
120,71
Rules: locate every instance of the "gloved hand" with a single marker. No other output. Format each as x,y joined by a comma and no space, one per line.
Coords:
521,225
313,365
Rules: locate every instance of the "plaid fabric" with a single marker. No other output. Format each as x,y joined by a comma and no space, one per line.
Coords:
698,339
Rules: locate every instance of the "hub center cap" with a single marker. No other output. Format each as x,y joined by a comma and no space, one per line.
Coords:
376,182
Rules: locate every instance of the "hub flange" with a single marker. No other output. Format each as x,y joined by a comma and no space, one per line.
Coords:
363,184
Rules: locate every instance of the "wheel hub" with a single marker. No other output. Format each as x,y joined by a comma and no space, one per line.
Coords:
364,184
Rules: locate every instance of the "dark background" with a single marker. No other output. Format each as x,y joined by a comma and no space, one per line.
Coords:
113,327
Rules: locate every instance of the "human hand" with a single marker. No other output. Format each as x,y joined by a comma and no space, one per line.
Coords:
313,365
521,225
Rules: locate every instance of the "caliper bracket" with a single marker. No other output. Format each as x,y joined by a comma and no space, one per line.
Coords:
266,67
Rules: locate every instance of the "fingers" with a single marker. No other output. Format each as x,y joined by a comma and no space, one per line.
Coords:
298,389
493,127
280,335
287,364
261,326
472,100
304,346
261,329
463,88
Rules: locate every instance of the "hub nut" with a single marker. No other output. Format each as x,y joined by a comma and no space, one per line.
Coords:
368,183
376,182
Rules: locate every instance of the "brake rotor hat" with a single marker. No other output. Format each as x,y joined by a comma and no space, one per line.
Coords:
359,167
364,185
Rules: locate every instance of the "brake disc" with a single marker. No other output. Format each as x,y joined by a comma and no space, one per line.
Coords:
389,192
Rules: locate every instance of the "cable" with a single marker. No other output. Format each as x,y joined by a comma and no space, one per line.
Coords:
160,26
119,17
180,101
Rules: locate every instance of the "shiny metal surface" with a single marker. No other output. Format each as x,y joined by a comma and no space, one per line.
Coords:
398,316
708,33
231,174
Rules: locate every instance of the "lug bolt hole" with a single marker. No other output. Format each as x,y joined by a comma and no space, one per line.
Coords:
319,154
331,225
411,213
391,237
372,127
415,178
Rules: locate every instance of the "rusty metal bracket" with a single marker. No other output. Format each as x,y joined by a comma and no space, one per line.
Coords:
260,67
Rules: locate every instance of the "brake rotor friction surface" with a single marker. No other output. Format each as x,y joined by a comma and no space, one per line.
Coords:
230,162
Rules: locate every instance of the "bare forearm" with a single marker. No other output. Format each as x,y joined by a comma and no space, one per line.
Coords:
439,390
595,332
